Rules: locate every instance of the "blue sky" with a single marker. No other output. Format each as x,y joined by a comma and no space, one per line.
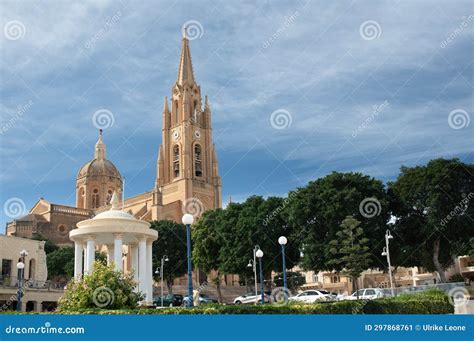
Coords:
353,86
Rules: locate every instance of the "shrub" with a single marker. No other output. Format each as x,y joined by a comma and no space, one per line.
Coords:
104,288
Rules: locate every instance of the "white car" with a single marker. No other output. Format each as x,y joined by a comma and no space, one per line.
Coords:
311,296
366,294
251,298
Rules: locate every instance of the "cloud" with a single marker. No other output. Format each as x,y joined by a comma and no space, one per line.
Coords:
308,58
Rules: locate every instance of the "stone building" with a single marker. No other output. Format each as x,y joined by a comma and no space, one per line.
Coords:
39,295
187,177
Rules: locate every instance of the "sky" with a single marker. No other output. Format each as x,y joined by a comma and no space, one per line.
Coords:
297,89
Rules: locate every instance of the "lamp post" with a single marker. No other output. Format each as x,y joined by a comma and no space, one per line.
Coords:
188,219
259,255
21,269
254,264
282,241
163,260
386,252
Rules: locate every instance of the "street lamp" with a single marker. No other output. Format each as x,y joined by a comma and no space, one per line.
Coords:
254,265
188,219
163,260
386,252
259,255
21,269
282,241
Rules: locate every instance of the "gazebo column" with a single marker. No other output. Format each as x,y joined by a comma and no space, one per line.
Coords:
134,255
142,275
110,253
90,254
84,248
77,260
118,252
149,270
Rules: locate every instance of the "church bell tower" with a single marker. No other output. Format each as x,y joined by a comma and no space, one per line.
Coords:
187,167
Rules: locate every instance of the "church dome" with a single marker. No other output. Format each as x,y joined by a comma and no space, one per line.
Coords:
97,179
99,167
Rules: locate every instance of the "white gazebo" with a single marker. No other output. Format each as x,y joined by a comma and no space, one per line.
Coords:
115,229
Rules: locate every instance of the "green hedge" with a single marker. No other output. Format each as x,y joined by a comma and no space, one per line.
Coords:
428,302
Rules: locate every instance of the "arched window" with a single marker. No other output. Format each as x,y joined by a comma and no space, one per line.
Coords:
197,160
95,198
195,112
80,198
109,196
176,112
32,269
176,161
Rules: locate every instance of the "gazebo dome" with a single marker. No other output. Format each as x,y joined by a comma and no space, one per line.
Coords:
114,215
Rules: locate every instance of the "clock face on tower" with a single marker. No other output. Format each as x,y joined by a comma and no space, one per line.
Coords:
176,135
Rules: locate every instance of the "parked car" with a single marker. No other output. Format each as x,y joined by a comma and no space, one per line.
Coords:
250,298
366,294
203,299
311,296
175,300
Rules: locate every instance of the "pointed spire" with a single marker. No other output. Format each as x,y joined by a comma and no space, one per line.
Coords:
206,104
114,201
100,149
165,105
185,72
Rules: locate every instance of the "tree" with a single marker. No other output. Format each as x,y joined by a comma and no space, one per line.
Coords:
49,246
295,280
60,262
433,209
207,242
471,248
172,243
349,251
104,288
257,221
318,209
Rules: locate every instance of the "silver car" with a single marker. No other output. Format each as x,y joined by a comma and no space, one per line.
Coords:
251,298
366,294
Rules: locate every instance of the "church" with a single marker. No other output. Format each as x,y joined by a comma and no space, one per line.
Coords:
187,174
